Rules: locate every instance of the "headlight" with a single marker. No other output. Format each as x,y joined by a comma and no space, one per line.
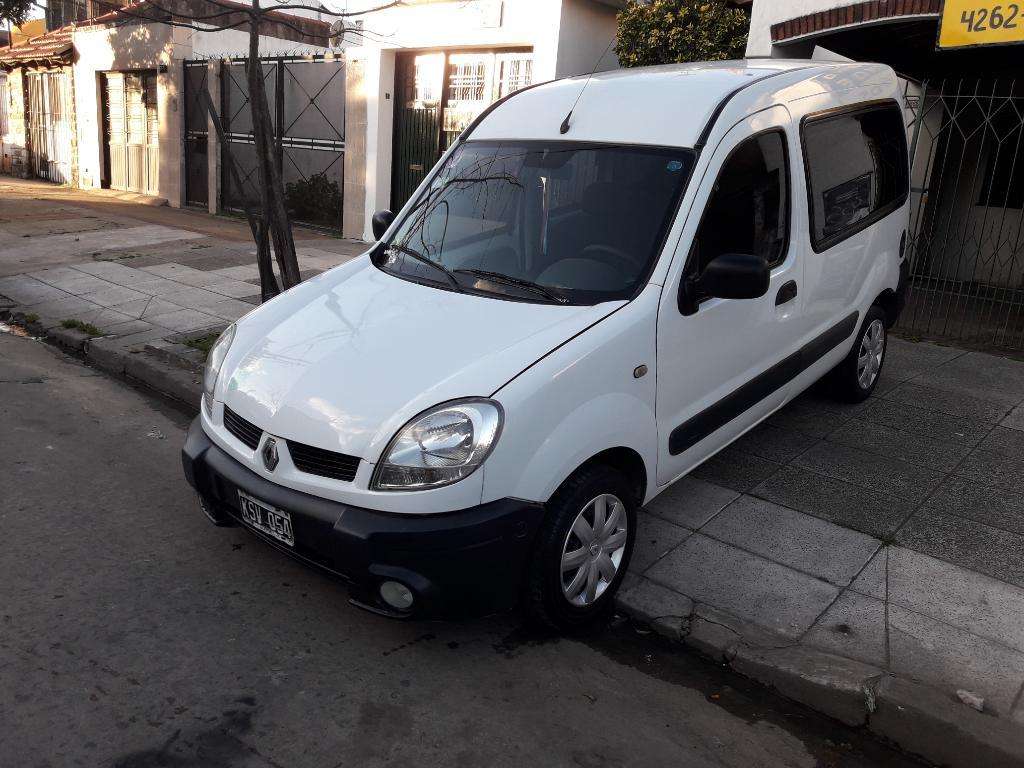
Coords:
440,447
214,361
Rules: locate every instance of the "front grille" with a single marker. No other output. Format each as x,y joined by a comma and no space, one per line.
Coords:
317,461
244,430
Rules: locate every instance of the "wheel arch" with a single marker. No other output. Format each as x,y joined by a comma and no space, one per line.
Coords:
626,460
888,302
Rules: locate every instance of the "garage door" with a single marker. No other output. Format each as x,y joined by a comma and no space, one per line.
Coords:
132,132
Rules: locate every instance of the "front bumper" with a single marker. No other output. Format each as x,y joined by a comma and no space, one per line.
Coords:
456,563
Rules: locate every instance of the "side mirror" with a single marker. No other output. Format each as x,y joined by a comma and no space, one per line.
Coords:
380,223
728,276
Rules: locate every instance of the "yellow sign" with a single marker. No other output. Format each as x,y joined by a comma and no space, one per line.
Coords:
981,22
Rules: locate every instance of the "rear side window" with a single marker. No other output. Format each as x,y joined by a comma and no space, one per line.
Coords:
856,165
748,211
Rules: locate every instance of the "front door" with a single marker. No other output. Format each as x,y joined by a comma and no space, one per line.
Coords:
719,367
49,126
437,95
132,132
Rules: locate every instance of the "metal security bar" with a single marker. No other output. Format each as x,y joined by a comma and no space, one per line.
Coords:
307,103
966,237
49,126
197,181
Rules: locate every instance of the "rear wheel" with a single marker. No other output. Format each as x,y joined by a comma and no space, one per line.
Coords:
855,378
583,549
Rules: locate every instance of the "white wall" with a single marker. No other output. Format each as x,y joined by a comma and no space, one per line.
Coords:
764,13
232,43
585,32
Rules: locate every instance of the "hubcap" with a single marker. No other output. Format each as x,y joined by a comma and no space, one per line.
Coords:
869,359
593,549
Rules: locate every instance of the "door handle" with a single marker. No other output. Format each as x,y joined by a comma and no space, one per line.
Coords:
786,293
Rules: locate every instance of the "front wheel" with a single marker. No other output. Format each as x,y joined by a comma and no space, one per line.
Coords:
583,549
854,379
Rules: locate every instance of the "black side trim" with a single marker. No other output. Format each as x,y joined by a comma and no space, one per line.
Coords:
695,429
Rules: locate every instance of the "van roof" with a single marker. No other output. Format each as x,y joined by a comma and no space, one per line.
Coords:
670,105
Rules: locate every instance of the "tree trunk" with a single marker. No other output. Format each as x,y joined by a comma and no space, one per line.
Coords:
275,213
268,283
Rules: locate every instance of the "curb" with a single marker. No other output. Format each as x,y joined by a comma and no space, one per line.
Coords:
179,380
918,718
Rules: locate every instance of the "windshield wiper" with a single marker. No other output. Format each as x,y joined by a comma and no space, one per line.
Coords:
425,260
528,285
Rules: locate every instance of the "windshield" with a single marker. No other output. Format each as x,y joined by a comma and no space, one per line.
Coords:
550,222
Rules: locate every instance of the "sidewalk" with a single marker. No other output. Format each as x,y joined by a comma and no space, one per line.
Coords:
867,560
145,279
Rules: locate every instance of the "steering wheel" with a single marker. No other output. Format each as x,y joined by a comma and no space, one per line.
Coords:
614,257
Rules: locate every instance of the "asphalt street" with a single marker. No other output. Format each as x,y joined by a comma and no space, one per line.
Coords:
133,633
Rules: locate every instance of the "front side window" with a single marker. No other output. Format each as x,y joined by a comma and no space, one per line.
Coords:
560,222
748,211
856,170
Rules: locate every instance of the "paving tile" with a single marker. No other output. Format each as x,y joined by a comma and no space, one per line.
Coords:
191,297
996,507
945,592
108,270
977,372
1015,420
228,309
906,359
128,328
935,425
103,317
854,627
862,509
246,272
746,585
690,502
185,320
654,539
994,469
808,417
158,286
1004,441
174,271
28,290
889,476
967,543
775,443
67,306
70,280
991,408
235,289
111,295
806,543
735,469
894,443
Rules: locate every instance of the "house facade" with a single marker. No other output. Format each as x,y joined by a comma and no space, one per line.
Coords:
965,117
97,103
418,74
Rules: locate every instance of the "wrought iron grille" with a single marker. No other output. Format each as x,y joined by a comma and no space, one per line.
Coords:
197,186
307,104
967,218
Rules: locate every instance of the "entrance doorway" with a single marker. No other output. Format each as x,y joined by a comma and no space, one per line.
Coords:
49,126
132,132
437,95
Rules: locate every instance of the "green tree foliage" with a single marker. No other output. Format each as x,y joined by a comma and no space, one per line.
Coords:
15,11
670,31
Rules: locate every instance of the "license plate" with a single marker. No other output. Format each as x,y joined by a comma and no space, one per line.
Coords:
266,519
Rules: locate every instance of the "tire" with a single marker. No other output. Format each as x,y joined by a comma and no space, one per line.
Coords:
557,599
856,377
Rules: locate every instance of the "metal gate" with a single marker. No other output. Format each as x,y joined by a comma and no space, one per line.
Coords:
307,105
197,179
49,126
966,241
132,129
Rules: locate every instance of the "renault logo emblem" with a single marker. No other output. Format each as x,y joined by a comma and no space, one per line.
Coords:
270,457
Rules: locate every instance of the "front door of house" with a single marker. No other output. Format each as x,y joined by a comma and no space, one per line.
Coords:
132,132
49,126
437,95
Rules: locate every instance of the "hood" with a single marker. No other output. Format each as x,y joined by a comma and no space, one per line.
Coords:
342,361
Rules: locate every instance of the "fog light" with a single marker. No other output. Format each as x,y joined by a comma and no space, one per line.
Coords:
397,595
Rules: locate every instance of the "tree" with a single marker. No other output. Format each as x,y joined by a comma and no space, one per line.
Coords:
670,31
15,11
272,222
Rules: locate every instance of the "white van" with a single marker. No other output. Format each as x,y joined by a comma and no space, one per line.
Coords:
600,285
